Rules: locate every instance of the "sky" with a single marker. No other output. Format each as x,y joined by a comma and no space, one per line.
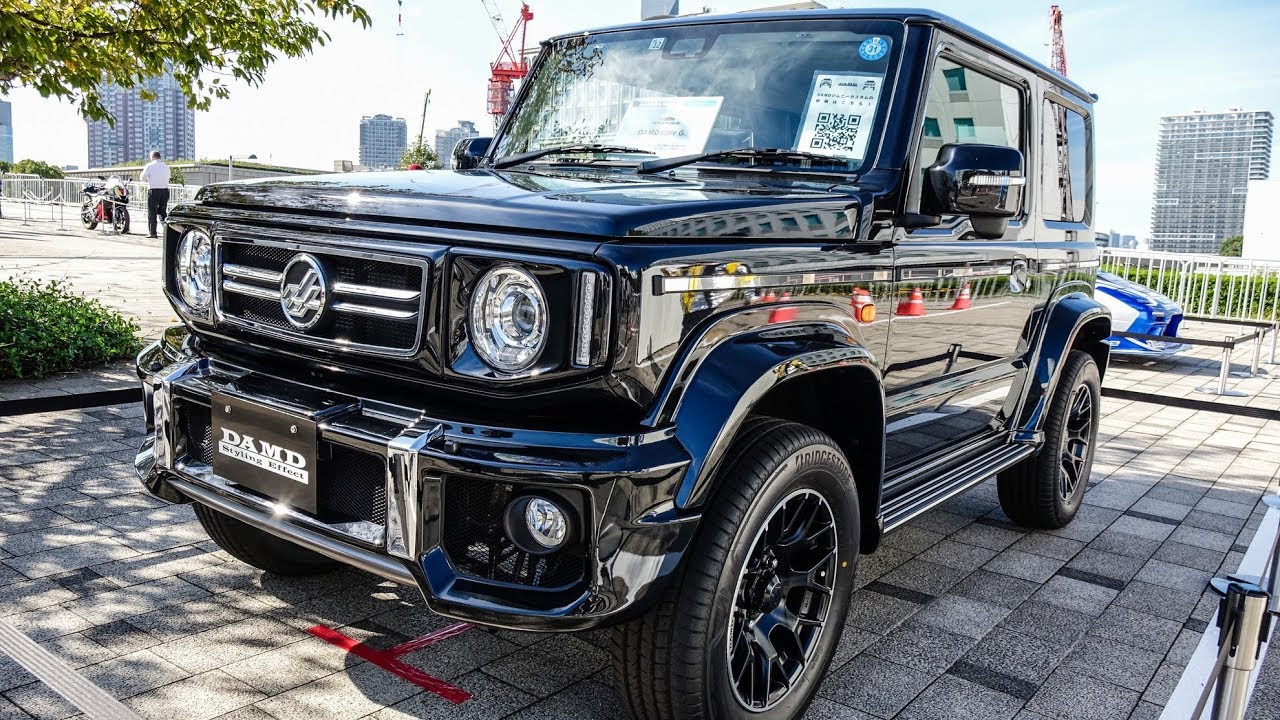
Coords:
1143,59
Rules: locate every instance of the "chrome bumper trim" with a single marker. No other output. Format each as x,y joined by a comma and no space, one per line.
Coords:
366,560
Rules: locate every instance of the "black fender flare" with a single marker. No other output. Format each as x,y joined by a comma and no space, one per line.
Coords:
736,374
1074,317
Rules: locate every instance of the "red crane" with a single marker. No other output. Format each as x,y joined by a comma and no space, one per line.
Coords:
510,65
1058,50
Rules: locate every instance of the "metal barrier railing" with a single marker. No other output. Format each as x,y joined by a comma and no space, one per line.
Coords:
69,191
1227,288
1249,605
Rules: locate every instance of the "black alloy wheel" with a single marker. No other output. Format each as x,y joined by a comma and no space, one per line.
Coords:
781,602
1046,489
1077,441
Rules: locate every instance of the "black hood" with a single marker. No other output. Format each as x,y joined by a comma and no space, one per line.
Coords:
598,204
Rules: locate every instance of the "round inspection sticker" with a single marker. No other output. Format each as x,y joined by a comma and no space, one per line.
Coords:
873,48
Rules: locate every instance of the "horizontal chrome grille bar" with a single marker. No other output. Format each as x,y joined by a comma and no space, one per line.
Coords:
249,273
346,288
251,290
373,311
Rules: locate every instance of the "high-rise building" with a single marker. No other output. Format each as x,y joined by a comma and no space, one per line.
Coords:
1203,167
166,124
447,139
382,141
6,131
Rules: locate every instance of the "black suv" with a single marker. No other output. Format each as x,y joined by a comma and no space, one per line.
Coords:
723,301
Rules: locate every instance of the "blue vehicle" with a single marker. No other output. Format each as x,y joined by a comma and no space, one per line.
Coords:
1137,308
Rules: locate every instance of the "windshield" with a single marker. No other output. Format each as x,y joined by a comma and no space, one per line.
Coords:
814,86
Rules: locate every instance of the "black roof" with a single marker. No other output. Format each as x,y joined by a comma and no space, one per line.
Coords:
905,15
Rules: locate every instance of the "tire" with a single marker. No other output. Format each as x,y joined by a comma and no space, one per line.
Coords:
261,549
87,218
1045,490
675,661
120,220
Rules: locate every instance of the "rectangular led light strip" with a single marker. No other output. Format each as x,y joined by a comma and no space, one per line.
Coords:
694,283
586,315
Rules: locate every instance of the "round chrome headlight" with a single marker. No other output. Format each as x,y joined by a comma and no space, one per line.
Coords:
508,319
195,269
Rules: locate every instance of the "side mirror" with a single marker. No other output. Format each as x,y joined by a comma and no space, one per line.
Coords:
985,182
469,151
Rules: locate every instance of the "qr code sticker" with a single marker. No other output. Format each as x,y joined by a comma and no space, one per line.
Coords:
835,131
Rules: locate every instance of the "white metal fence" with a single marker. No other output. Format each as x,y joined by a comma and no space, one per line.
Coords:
1227,288
39,191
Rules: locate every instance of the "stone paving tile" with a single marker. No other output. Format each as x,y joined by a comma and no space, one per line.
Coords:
284,668
134,673
1159,601
196,698
490,699
580,701
921,646
1123,665
962,615
1038,543
1035,568
1017,656
222,646
1136,628
1174,577
994,588
543,668
879,613
1071,696
875,686
476,648
1082,597
41,703
951,698
824,709
359,691
1047,622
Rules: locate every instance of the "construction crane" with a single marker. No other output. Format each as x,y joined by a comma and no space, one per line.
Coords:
422,127
1058,59
1057,49
510,65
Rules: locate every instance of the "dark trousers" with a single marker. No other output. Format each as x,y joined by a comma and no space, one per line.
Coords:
157,206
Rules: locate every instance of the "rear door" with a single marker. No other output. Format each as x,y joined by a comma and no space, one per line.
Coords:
964,303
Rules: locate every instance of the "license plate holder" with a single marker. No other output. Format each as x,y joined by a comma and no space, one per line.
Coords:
264,449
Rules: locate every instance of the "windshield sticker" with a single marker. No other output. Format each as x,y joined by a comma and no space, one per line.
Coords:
657,43
873,48
670,125
839,113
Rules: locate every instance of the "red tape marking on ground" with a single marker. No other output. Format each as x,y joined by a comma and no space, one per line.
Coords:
387,659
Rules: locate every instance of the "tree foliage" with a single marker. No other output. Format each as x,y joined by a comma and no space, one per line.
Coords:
1232,246
65,48
421,153
39,168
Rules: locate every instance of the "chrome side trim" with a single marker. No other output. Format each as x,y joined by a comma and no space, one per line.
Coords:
166,436
404,489
734,282
366,560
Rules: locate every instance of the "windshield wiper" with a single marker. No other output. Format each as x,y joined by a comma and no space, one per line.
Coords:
509,160
801,157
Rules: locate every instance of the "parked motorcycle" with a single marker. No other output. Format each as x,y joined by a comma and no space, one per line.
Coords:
107,203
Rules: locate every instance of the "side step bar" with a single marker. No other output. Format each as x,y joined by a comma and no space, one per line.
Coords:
930,494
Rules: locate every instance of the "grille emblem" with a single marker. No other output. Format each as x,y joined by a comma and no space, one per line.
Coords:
303,291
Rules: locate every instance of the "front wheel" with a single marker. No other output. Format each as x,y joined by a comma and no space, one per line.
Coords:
261,549
748,627
87,217
120,220
1046,489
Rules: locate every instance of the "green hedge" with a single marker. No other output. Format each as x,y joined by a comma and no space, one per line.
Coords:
46,328
1262,291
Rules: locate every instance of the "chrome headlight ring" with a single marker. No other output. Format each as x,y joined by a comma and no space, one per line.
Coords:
509,319
194,270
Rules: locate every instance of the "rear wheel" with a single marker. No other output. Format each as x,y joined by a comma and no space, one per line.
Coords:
748,628
261,549
1046,489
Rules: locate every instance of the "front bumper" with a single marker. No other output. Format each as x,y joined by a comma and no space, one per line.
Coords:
417,499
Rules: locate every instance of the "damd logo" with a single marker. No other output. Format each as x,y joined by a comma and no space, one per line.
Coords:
273,458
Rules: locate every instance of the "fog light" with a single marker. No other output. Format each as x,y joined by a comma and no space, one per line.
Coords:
537,525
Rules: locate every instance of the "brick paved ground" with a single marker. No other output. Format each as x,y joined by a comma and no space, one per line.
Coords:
960,615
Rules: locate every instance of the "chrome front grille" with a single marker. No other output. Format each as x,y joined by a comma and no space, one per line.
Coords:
369,302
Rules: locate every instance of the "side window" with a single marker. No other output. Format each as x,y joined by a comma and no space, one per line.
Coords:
966,106
1065,164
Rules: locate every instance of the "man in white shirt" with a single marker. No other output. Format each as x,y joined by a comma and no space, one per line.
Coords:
156,176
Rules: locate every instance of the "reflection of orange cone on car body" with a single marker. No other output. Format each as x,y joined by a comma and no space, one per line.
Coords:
962,300
783,314
864,310
912,306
